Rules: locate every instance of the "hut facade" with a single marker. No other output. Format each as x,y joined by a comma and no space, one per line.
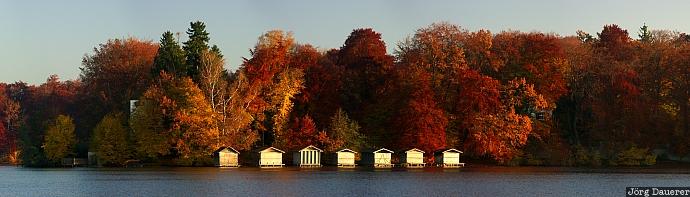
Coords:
309,156
412,158
448,158
270,157
380,158
226,157
344,158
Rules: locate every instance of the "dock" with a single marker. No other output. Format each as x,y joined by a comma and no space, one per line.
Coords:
413,165
310,165
382,165
453,165
74,162
271,165
347,165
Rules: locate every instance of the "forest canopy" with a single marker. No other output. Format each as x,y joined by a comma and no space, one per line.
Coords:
510,97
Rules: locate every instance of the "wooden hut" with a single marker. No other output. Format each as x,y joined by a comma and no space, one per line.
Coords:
309,156
413,158
270,157
92,159
343,158
380,158
226,157
448,158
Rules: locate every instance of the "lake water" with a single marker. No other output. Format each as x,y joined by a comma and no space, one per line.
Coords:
471,181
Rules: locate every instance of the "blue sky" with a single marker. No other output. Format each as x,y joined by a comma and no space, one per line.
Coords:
39,38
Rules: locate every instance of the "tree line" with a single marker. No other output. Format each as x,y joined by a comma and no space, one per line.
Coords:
513,98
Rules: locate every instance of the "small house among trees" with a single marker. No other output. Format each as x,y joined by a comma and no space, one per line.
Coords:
226,157
270,157
380,158
309,156
342,158
448,158
412,158
132,106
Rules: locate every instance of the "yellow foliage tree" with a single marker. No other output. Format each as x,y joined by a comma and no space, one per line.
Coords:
60,138
290,84
110,140
151,135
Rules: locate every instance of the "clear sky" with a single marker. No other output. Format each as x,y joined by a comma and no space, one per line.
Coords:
39,38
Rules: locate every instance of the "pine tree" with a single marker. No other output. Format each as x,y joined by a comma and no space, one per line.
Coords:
197,43
644,34
216,50
345,130
170,57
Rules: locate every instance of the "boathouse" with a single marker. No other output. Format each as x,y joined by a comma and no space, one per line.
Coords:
380,158
448,158
226,157
269,157
343,158
309,156
412,158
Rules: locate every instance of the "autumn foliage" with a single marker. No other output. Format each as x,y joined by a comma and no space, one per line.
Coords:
508,97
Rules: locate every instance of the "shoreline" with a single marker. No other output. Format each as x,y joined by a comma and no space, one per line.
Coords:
664,168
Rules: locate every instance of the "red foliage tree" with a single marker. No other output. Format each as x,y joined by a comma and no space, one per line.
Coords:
303,132
615,42
323,85
500,136
118,71
366,71
363,44
537,57
422,124
616,101
4,140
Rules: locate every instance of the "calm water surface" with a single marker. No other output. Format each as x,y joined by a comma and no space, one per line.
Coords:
471,181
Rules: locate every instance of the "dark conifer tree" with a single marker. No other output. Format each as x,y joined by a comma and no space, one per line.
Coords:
170,57
197,43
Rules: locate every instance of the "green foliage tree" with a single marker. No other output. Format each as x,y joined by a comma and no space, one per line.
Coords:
634,157
170,57
194,47
345,130
109,140
644,34
60,138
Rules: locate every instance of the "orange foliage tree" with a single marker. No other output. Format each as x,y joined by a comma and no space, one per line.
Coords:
177,111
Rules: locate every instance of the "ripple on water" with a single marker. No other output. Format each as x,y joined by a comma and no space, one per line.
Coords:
473,181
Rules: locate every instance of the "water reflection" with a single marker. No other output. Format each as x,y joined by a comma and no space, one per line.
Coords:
328,181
